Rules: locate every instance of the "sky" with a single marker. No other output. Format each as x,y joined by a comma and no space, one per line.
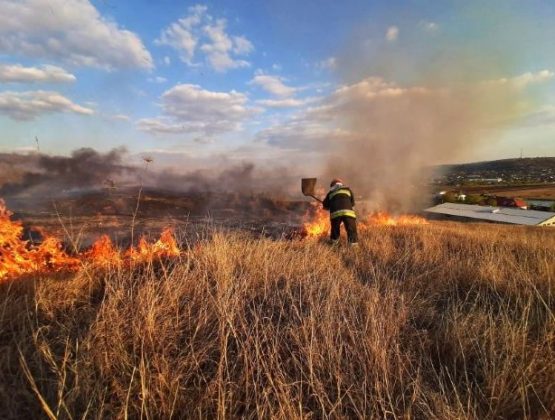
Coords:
190,83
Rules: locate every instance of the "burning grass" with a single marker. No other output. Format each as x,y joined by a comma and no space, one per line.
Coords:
317,222
19,257
437,321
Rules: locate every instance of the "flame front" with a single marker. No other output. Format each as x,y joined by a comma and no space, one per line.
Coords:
166,246
19,257
103,253
318,224
386,219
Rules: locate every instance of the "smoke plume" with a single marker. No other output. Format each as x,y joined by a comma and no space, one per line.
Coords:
399,113
395,133
41,174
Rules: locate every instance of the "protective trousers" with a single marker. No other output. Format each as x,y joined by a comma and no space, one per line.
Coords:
350,226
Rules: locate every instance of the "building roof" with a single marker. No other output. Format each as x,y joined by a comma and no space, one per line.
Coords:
496,214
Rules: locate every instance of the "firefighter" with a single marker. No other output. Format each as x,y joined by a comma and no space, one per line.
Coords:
340,201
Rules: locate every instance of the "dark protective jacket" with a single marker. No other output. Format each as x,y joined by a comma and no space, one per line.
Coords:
340,202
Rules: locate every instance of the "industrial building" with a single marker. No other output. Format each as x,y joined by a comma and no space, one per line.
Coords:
514,216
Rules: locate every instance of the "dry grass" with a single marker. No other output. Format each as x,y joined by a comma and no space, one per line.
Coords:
440,321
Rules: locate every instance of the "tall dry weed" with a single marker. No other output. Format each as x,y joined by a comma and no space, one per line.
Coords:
439,321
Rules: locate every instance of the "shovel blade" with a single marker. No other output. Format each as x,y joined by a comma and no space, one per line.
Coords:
308,186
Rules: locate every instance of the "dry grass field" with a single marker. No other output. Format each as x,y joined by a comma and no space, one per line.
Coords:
441,321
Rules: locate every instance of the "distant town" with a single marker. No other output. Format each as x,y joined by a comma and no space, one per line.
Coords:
499,172
525,184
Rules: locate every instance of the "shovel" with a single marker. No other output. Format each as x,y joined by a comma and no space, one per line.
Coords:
307,187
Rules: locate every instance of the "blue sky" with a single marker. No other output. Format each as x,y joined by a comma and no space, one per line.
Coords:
249,80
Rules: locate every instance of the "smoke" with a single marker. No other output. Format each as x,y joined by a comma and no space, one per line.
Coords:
396,134
244,178
399,112
41,174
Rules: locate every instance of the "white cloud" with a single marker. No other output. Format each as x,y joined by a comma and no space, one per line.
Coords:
161,125
183,35
524,80
281,103
429,26
71,31
287,102
322,124
302,134
241,45
190,109
220,47
273,85
369,89
31,104
329,63
199,32
392,33
167,60
48,74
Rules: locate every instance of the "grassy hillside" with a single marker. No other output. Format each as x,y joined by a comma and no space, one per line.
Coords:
445,320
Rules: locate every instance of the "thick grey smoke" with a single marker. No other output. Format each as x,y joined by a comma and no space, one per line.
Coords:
39,175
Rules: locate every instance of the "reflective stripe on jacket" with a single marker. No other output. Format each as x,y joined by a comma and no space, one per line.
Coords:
340,191
339,213
340,202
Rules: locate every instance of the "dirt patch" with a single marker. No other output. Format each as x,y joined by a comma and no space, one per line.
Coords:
540,192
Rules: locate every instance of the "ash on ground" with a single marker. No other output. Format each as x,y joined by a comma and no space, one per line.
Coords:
125,215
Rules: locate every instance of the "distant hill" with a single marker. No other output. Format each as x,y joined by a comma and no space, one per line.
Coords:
502,166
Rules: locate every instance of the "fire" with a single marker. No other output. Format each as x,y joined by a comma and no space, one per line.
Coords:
19,257
166,246
319,222
386,219
103,253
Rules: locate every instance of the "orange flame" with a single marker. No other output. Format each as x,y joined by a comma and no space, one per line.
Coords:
18,256
166,246
386,219
103,253
319,223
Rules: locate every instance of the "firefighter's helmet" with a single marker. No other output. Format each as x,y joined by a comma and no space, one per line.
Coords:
335,181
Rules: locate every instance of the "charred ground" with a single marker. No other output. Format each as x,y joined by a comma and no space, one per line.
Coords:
112,211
